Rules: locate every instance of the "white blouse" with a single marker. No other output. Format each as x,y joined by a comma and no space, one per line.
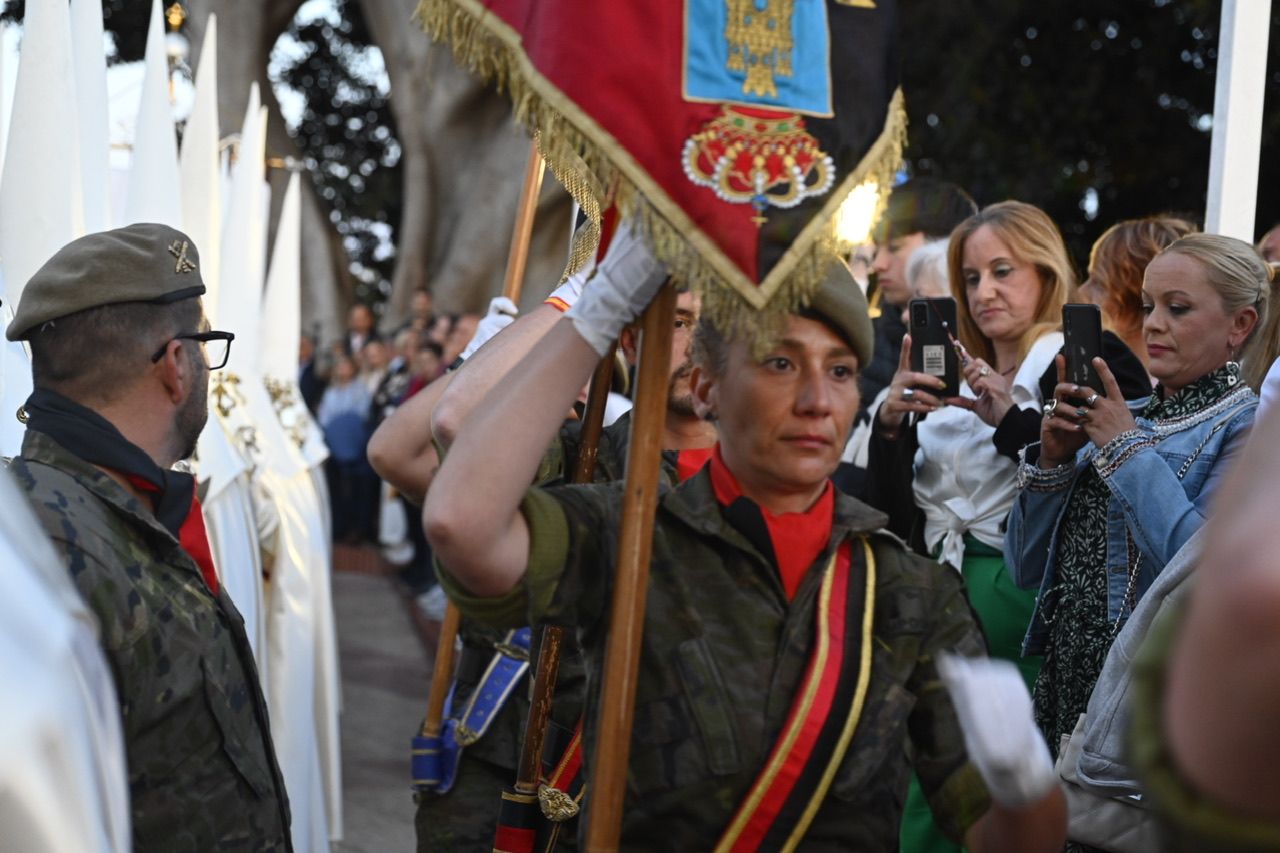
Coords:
961,483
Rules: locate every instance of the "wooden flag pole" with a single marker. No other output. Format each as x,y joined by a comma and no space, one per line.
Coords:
631,580
441,673
521,233
593,420
535,730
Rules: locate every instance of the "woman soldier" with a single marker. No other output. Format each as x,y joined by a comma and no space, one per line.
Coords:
789,644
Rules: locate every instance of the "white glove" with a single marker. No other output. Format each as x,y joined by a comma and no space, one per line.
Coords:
566,295
624,283
1000,732
502,313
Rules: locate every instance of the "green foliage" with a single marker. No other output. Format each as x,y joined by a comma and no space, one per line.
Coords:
347,138
125,20
346,135
1048,102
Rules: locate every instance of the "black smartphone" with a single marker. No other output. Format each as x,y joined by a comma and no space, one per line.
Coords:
932,323
1082,331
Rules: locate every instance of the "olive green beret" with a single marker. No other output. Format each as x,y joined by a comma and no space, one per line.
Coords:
842,305
140,263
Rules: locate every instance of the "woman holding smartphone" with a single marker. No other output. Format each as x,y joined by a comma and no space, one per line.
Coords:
937,470
1116,489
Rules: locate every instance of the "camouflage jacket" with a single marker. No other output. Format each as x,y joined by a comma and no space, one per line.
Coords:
723,654
202,769
501,744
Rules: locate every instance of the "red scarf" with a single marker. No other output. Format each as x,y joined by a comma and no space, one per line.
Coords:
690,462
192,535
798,537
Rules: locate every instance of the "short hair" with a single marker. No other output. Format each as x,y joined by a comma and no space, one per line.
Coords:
929,259
431,347
1033,239
924,205
1119,259
1236,271
710,348
97,354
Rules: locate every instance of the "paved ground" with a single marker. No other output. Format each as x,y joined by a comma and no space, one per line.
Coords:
385,676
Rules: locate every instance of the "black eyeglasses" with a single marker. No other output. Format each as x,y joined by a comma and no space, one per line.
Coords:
216,347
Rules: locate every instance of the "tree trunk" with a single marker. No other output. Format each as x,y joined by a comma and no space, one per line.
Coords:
464,158
247,32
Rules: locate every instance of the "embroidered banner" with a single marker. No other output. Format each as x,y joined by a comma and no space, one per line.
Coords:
731,131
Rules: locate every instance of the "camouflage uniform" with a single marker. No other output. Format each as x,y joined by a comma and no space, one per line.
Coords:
202,770
724,652
1192,821
465,818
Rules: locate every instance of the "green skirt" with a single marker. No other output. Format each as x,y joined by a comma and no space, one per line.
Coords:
1004,612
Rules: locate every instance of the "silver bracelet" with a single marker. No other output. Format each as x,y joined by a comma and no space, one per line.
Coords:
1032,476
1118,450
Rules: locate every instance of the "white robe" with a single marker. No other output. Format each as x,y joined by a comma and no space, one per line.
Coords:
63,778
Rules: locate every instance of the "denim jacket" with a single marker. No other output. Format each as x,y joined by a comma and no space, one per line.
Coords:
1161,475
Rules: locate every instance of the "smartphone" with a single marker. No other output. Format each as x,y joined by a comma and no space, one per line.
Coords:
932,323
1082,329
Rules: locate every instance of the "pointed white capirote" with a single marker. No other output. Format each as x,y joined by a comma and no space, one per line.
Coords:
200,168
90,60
41,195
154,194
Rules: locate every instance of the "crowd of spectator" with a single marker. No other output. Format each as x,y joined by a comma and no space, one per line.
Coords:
351,387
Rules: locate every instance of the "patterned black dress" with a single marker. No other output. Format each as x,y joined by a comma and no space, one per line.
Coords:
1080,631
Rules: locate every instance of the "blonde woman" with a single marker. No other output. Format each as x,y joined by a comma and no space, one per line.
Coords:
937,469
1116,489
1116,265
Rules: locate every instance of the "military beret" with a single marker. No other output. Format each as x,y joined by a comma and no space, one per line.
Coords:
140,263
841,304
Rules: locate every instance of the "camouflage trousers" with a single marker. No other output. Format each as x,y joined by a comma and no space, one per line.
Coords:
464,820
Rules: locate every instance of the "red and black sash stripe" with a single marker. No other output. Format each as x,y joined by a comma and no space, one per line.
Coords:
518,822
782,802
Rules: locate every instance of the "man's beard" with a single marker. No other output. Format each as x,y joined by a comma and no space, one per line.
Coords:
191,418
681,404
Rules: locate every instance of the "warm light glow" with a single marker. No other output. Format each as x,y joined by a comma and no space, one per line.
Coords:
856,216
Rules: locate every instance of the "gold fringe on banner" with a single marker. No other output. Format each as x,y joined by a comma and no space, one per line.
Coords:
592,164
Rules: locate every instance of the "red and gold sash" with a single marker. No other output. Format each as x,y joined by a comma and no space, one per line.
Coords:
786,795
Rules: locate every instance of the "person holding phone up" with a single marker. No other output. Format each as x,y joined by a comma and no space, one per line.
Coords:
1116,488
937,471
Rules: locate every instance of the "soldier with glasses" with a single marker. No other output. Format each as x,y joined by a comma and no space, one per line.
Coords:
121,356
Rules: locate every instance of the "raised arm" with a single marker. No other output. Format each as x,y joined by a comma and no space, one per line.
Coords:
472,514
401,450
486,368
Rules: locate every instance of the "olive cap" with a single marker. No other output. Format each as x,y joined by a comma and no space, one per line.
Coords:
139,263
841,304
